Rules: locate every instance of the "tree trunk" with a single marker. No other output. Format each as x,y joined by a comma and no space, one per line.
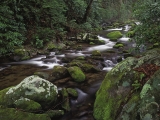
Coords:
84,19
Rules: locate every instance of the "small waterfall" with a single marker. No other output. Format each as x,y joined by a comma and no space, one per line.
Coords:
109,65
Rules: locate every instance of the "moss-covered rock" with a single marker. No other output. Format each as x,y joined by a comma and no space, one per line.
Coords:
51,46
129,111
96,53
119,45
114,91
14,114
119,97
27,105
114,35
65,105
76,73
59,72
54,113
55,46
130,34
72,92
100,42
80,58
84,65
21,54
33,88
91,43
89,68
150,98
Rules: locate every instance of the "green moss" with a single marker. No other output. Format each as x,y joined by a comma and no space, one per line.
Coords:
14,114
118,45
156,45
89,68
54,113
96,53
114,35
113,92
77,62
130,34
59,72
117,86
72,92
20,52
27,105
51,46
2,95
91,43
76,73
80,58
100,42
129,111
65,98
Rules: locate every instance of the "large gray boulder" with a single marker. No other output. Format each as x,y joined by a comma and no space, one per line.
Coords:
130,91
32,88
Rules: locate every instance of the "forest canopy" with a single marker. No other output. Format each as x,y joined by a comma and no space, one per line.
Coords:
36,22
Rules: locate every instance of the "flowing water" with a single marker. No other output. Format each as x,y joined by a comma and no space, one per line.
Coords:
47,62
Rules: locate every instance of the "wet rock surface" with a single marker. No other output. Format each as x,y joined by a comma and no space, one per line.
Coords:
130,90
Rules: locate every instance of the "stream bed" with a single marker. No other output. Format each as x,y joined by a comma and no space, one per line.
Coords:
82,107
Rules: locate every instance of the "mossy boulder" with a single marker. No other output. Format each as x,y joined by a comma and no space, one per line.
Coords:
114,90
100,42
91,43
114,35
14,114
27,105
96,53
65,105
119,45
55,113
89,68
51,46
156,45
76,73
120,95
55,46
150,98
80,58
130,34
86,67
59,72
72,92
33,88
76,62
21,54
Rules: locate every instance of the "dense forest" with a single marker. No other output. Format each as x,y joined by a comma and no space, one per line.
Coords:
36,22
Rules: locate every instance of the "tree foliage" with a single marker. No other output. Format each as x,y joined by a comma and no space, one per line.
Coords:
36,22
147,12
12,27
